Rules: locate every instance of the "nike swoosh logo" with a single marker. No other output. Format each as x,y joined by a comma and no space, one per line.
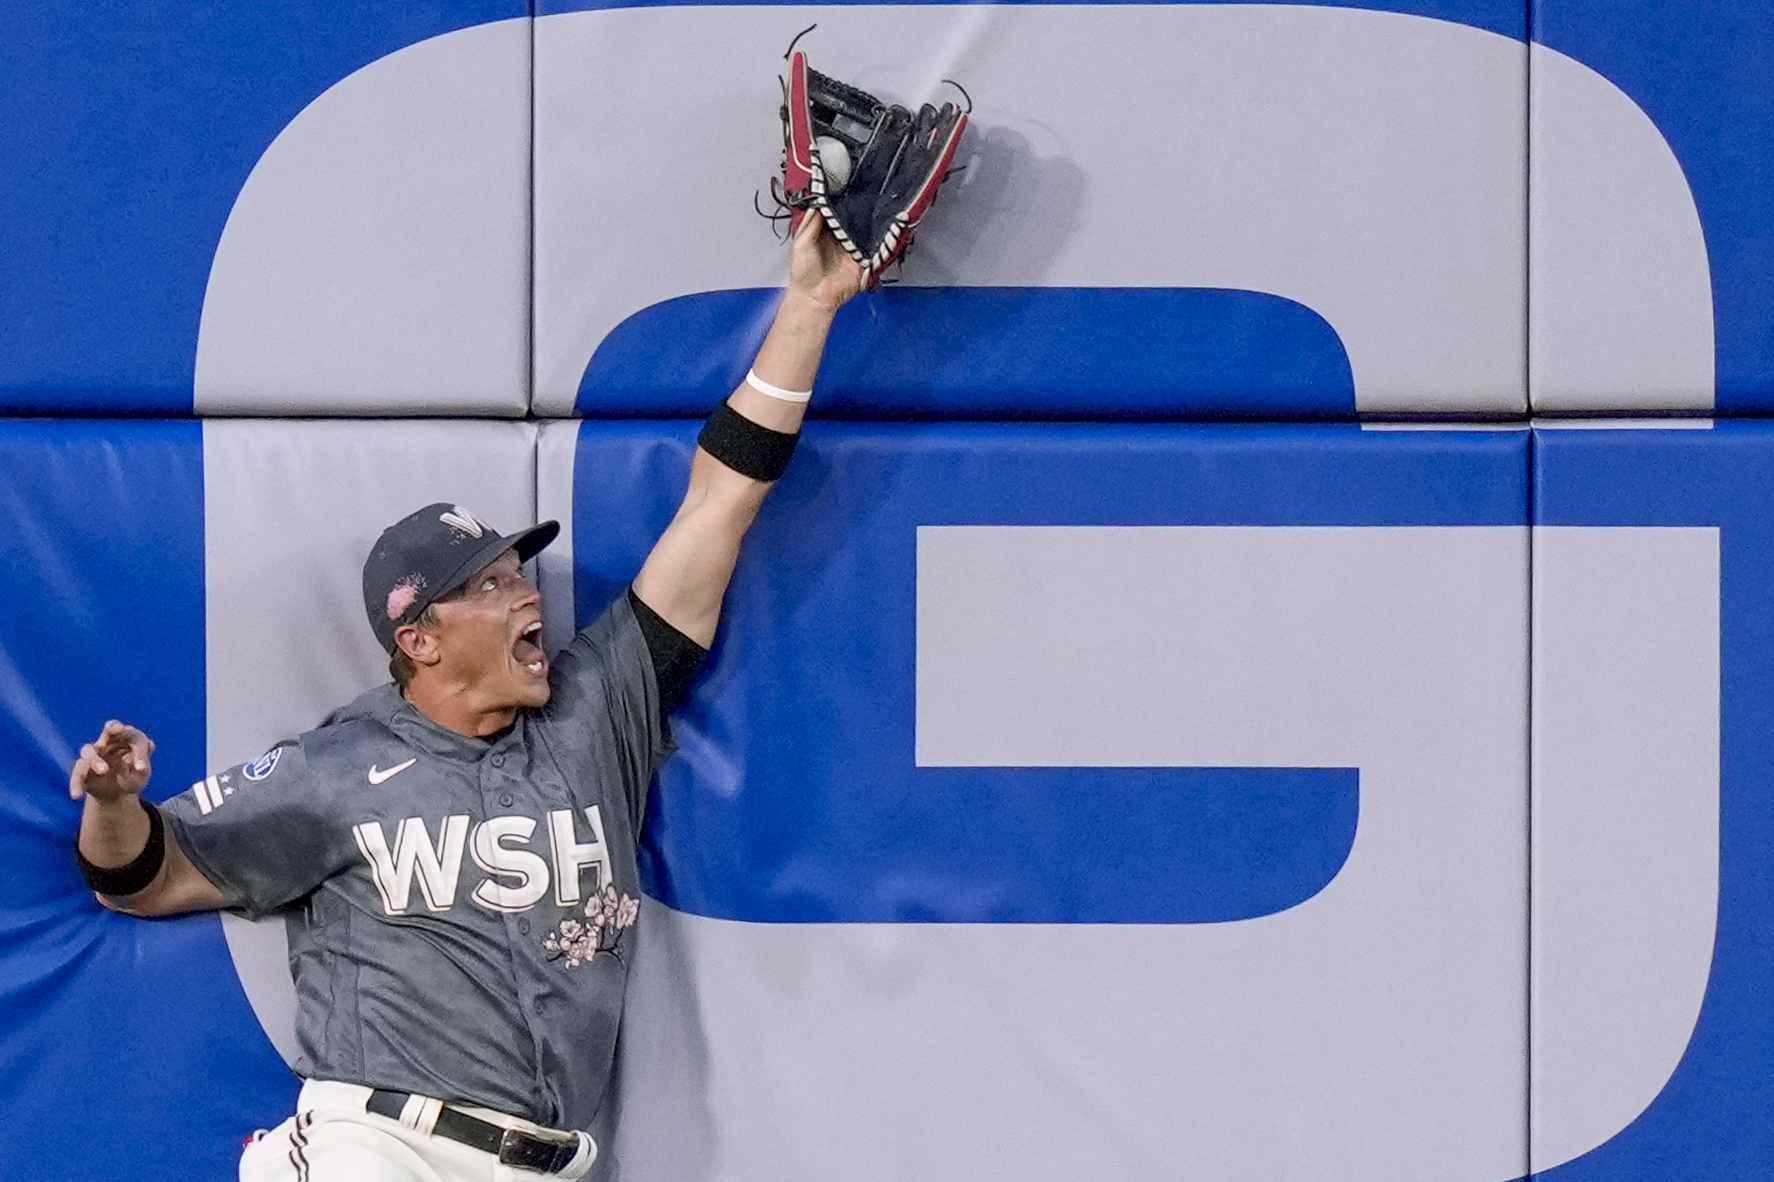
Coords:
378,776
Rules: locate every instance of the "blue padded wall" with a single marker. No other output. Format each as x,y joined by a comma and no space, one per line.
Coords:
1024,353
867,754
829,588
1702,79
1705,1122
130,132
1084,263
103,525
1081,787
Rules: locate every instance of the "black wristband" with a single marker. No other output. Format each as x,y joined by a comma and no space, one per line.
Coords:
130,879
744,446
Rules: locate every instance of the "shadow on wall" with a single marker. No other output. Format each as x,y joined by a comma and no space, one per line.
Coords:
1010,203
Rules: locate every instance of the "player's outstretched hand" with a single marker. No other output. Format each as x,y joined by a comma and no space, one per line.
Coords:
113,766
821,269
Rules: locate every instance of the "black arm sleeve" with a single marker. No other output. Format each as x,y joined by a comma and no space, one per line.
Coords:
676,657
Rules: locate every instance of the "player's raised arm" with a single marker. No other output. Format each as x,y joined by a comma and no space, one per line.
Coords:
747,442
125,852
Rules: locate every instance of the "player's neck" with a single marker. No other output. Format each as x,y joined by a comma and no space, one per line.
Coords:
455,708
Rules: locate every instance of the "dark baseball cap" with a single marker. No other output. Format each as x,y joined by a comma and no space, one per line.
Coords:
429,553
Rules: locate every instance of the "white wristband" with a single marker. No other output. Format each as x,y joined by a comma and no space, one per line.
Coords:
761,386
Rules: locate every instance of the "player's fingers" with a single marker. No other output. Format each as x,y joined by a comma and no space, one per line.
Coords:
95,762
77,780
121,743
140,747
810,224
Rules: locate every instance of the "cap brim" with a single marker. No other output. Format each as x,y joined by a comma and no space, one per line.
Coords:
534,540
528,543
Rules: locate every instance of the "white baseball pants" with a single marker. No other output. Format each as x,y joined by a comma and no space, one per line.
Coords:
332,1139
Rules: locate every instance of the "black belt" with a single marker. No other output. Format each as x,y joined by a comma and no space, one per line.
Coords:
544,1151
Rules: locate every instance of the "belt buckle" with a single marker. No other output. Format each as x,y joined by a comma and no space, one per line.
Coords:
543,1151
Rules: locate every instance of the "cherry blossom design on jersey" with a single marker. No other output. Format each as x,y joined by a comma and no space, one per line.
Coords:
607,915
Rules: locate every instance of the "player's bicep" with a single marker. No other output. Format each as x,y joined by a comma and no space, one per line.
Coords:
257,833
686,573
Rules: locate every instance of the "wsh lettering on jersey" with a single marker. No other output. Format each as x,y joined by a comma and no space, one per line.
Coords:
517,877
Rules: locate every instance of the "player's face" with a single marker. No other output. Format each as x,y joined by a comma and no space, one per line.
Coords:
490,637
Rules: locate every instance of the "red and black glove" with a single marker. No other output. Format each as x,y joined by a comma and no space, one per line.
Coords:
870,169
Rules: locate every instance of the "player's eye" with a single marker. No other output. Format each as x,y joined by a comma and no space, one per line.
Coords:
489,584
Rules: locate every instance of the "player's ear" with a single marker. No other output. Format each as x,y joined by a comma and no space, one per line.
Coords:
419,644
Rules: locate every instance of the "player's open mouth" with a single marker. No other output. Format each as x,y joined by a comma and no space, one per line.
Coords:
528,653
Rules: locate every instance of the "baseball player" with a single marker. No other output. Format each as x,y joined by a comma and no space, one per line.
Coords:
454,852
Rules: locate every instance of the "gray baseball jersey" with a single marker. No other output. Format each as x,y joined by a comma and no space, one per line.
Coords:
461,912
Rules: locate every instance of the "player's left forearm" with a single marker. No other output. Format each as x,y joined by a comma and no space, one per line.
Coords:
788,359
685,577
746,443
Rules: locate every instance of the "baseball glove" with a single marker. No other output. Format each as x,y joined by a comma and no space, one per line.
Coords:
870,169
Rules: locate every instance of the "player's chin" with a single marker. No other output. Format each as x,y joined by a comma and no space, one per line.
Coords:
531,686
